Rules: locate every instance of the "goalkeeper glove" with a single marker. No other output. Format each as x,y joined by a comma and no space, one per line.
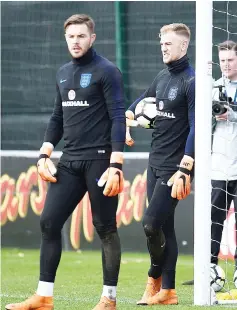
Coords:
46,168
129,120
113,176
180,181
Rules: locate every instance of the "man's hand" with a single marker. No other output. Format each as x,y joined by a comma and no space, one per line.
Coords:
222,117
129,140
47,170
129,120
180,181
228,115
113,176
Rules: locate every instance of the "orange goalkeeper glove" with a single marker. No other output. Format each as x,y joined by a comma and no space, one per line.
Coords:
181,181
46,168
113,176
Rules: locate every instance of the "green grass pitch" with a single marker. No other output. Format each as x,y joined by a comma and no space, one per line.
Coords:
79,279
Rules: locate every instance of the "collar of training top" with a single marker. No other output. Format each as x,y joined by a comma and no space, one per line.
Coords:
233,82
178,65
85,59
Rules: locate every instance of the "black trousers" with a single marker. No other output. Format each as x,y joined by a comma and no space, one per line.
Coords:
158,223
74,179
223,192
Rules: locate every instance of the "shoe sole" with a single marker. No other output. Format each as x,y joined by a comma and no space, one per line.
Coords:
142,303
170,301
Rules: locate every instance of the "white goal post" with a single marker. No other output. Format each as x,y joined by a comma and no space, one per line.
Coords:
203,113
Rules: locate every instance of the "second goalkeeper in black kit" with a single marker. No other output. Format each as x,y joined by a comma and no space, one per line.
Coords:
89,114
171,160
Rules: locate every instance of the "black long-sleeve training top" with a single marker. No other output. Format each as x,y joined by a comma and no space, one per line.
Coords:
89,110
174,126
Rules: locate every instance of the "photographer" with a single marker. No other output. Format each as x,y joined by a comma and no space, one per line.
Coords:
224,145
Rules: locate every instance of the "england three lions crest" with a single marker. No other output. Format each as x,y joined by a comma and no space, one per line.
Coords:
172,93
85,79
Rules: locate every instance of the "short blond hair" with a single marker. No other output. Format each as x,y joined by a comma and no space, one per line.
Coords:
228,46
79,19
178,28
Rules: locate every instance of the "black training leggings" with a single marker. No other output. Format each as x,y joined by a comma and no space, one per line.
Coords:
223,192
74,179
158,223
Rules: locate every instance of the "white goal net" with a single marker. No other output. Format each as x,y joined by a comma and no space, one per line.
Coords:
224,156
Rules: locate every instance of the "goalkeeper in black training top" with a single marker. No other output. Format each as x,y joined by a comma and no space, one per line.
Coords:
89,114
171,160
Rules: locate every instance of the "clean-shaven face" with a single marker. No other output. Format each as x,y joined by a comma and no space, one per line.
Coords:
79,39
228,64
173,46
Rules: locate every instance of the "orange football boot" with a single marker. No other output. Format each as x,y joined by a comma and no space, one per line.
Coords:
153,286
105,304
34,302
164,297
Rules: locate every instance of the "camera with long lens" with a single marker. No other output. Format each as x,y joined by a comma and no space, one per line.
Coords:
218,106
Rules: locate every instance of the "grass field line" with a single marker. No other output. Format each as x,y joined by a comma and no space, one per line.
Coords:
126,260
75,299
147,260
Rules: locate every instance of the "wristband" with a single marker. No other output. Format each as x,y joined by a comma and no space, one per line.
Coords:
43,156
116,165
184,170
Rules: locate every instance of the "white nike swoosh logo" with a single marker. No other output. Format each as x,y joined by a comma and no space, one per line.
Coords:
62,81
